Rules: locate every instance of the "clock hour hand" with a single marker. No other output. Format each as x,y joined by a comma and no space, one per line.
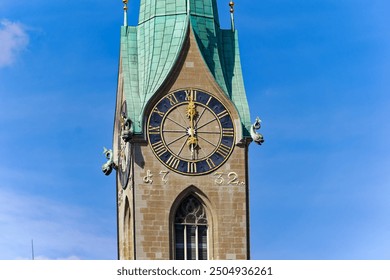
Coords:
192,141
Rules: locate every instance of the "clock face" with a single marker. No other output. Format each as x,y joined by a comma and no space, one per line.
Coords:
125,151
191,132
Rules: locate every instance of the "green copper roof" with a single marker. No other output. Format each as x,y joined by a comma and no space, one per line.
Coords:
150,51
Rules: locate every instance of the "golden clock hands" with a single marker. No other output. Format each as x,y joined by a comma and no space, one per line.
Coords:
192,141
191,111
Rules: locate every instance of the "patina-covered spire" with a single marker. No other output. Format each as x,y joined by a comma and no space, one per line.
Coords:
150,50
220,51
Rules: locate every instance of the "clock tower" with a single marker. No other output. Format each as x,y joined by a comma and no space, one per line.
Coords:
181,136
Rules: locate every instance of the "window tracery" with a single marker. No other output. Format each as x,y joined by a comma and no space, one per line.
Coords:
191,230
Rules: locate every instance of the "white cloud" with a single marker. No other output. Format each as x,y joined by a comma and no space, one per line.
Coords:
13,39
59,230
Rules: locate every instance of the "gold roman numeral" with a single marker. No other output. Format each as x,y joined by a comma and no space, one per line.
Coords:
208,101
191,167
223,150
154,129
173,162
227,132
159,148
210,163
172,98
224,113
155,110
191,95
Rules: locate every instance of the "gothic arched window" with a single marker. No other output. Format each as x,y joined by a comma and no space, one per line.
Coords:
191,230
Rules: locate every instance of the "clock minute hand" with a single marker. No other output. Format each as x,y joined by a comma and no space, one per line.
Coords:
192,141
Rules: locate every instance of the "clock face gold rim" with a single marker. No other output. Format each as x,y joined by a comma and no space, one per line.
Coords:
191,132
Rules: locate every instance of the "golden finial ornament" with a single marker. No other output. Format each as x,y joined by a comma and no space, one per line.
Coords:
231,4
125,12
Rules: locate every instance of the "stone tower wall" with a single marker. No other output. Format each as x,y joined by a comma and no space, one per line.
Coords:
146,207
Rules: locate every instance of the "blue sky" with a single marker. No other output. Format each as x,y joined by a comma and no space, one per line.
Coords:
316,72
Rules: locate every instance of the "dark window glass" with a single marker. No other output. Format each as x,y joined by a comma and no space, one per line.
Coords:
179,233
191,230
202,242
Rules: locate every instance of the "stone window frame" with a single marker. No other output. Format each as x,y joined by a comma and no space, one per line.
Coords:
204,201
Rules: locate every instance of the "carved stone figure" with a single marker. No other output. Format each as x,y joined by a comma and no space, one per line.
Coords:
257,137
109,165
126,128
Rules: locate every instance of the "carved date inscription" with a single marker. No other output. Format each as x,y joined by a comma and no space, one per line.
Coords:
229,179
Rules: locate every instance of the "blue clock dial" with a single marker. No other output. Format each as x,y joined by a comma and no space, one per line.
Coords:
191,132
